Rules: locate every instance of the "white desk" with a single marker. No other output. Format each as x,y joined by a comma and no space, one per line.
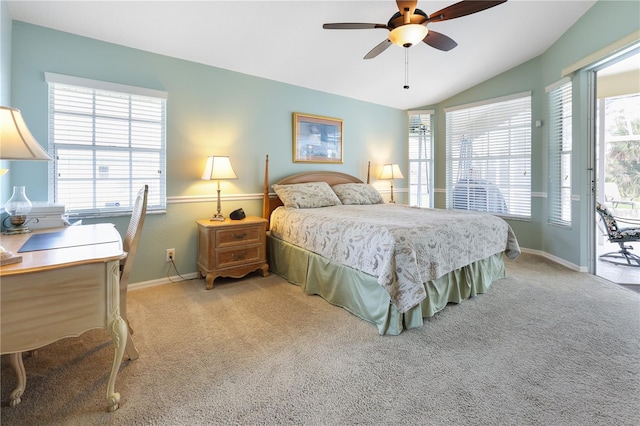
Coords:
62,292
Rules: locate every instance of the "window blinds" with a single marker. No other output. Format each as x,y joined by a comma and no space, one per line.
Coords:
489,156
420,159
106,145
560,146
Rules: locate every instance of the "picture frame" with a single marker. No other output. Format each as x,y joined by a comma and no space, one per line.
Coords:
317,139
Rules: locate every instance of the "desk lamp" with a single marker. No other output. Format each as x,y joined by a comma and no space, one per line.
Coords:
218,168
17,143
391,172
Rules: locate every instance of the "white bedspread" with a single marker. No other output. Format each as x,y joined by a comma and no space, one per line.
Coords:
402,246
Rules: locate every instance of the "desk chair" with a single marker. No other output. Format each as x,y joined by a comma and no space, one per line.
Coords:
615,234
130,245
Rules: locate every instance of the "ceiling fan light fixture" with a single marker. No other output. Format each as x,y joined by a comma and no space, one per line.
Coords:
407,35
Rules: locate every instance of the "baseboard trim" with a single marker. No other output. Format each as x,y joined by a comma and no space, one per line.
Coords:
556,259
162,281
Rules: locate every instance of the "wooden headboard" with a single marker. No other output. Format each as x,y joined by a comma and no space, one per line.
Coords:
269,204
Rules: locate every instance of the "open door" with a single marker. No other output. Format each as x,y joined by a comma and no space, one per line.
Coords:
617,159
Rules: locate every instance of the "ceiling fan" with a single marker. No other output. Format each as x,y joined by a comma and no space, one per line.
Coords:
408,26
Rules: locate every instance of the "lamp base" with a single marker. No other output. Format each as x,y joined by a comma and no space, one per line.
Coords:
18,230
217,217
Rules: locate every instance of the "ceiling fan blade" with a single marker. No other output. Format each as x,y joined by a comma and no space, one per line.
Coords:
462,8
352,26
411,5
378,49
439,41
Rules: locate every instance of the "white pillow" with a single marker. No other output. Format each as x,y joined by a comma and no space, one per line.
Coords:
357,193
307,195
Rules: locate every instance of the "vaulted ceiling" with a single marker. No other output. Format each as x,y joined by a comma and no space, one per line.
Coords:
285,41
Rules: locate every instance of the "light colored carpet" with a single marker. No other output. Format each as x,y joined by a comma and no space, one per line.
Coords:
545,346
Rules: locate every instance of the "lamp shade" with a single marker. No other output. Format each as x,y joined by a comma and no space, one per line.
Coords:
408,34
16,141
218,168
391,171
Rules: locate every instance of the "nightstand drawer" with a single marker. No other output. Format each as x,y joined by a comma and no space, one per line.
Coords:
241,235
226,258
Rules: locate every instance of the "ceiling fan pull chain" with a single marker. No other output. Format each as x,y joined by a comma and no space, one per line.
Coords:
406,68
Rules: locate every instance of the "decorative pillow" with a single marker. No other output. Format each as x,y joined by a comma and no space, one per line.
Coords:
307,195
357,193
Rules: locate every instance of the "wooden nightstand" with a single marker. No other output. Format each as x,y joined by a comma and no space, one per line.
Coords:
232,248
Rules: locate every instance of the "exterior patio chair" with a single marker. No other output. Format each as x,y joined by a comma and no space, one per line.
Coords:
619,235
612,195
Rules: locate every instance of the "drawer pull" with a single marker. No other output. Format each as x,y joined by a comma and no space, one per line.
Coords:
239,256
239,236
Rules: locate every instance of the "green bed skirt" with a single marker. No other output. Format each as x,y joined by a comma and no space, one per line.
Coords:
360,293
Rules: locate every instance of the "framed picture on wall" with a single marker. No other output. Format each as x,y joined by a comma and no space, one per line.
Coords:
316,139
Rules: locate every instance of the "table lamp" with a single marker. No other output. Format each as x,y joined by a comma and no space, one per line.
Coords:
391,172
218,168
17,143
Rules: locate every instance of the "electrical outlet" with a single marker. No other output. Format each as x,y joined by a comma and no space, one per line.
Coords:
170,255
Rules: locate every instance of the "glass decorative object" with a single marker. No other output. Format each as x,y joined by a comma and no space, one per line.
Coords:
18,206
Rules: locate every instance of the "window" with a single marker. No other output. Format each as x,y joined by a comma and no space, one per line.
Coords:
420,159
489,156
107,141
560,131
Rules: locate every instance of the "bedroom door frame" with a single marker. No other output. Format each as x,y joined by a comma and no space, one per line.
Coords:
596,161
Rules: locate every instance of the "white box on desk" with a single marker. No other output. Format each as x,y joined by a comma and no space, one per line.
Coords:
46,215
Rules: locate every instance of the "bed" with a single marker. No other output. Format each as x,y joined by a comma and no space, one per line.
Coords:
392,265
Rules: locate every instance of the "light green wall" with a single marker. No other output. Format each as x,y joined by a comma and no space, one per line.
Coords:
605,23
209,111
5,83
5,54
